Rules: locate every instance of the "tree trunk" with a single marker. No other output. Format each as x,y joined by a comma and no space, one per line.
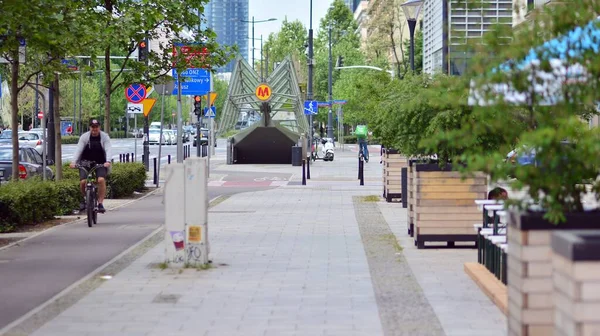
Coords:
57,128
14,116
107,88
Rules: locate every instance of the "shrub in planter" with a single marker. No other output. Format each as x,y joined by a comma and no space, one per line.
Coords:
125,178
538,104
69,139
33,201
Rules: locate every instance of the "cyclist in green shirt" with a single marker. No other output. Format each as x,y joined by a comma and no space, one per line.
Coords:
362,133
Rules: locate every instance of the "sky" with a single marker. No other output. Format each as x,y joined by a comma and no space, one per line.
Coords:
280,9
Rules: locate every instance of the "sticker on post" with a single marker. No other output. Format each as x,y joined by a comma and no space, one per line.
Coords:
195,234
178,240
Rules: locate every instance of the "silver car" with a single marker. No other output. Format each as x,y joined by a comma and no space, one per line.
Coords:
31,139
154,134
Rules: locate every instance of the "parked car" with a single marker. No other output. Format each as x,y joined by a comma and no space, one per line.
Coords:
6,136
170,137
30,163
154,134
31,139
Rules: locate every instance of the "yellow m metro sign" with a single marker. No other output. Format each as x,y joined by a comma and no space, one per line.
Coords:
263,92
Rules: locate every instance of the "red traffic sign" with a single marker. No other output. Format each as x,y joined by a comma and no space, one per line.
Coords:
135,93
190,53
40,115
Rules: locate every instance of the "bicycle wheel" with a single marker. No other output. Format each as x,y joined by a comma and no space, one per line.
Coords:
95,216
89,200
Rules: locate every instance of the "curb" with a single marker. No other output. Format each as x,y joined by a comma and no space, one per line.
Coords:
73,222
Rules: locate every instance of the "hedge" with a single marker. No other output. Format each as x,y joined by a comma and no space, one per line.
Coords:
33,201
351,139
73,139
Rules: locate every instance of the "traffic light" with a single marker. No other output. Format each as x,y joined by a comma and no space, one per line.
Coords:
143,50
340,61
197,105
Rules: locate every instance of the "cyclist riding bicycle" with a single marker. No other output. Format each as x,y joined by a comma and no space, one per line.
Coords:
93,146
362,133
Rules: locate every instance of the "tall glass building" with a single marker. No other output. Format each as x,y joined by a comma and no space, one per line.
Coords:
223,16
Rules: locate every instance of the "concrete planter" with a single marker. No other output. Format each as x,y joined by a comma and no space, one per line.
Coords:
393,162
531,307
576,278
443,204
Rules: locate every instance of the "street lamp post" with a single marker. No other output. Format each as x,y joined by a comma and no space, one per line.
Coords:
412,9
309,93
253,22
261,55
330,82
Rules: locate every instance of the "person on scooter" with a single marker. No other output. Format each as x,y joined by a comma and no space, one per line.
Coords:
362,133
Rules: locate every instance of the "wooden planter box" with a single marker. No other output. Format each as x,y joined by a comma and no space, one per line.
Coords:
531,305
393,162
443,204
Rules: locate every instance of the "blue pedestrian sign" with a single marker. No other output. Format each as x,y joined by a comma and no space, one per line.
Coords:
210,113
196,82
311,107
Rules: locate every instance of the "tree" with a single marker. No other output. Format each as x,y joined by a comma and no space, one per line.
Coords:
345,43
40,25
120,26
289,41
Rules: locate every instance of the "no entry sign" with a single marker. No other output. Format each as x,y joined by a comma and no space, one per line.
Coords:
135,93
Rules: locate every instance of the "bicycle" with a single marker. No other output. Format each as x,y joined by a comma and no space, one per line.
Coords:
361,154
91,191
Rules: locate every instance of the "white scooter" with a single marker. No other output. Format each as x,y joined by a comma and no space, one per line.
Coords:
325,151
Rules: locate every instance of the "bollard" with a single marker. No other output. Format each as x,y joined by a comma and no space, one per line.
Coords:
303,172
112,161
359,167
127,158
308,169
361,172
133,157
155,173
120,157
169,159
204,150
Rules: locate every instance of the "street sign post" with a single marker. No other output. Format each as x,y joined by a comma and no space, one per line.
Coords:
135,93
210,113
311,107
71,64
40,115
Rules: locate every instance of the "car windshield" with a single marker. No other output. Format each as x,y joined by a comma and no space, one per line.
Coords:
154,131
6,134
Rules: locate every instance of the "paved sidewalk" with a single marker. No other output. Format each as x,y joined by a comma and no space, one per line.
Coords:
292,261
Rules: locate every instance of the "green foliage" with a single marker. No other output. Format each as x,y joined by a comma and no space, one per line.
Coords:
70,139
125,178
418,53
566,150
34,201
290,40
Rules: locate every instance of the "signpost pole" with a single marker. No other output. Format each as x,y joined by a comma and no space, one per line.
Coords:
162,115
179,122
135,127
211,144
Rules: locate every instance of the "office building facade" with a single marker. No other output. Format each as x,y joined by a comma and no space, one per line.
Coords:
224,18
449,24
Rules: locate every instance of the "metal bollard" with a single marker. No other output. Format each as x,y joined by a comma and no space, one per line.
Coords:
303,172
361,172
120,157
169,159
133,157
127,158
308,169
155,172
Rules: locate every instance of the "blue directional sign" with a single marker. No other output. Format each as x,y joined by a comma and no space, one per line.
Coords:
212,113
324,104
311,107
339,102
195,82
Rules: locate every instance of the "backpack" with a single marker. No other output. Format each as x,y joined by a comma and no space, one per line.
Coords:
361,131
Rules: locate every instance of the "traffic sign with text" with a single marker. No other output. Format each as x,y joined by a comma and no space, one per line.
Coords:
195,82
